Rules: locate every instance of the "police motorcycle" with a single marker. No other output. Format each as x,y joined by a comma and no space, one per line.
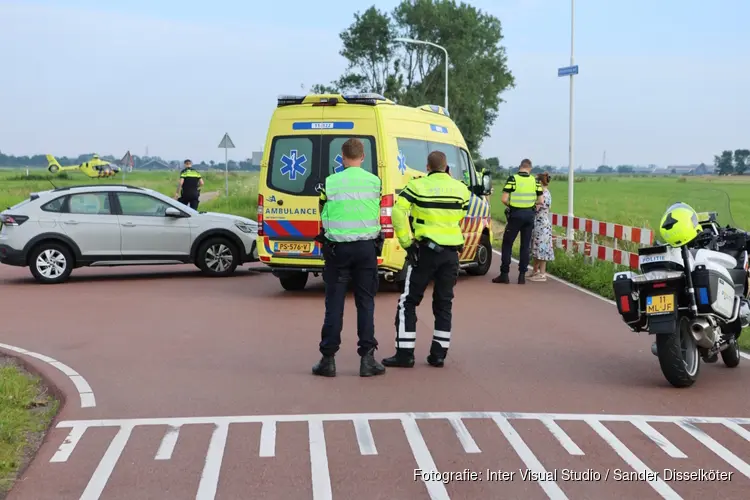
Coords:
692,289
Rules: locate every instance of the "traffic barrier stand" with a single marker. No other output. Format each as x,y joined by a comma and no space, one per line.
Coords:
637,236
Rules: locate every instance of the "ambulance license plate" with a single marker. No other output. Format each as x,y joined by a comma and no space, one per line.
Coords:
292,247
660,304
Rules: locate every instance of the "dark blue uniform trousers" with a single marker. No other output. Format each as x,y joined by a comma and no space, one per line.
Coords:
521,220
354,263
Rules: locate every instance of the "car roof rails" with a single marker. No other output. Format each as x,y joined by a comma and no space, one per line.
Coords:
66,188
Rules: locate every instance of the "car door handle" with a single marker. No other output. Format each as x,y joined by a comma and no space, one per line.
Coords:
72,222
128,224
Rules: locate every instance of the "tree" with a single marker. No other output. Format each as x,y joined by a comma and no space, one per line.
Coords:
413,75
625,169
723,163
741,163
604,169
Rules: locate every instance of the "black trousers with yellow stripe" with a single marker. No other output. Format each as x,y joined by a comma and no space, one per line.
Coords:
442,268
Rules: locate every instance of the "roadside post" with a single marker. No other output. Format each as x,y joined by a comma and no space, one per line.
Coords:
226,143
570,71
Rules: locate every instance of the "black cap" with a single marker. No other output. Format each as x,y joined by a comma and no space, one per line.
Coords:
187,161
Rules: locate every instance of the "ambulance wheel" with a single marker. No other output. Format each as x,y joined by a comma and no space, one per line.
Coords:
293,281
483,258
731,355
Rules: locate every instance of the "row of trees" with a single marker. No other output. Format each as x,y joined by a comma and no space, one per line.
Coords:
414,75
728,163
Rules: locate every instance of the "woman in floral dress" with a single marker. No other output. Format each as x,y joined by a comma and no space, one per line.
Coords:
541,241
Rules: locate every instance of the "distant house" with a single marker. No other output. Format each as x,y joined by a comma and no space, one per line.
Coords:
694,169
154,165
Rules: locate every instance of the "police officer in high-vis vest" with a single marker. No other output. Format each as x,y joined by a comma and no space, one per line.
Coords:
436,204
188,192
521,194
350,216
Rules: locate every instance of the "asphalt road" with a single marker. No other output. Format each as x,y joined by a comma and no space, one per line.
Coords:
182,387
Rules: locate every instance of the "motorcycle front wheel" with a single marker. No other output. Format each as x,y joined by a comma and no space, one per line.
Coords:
678,355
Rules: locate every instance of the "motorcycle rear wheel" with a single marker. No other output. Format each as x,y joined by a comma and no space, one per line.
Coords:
731,355
678,355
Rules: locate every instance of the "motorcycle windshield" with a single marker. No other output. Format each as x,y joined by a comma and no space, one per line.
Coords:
711,204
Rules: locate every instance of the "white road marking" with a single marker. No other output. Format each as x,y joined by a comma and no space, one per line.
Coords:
633,461
168,442
320,474
321,477
717,448
210,475
268,439
107,464
522,449
470,446
364,437
423,457
658,438
82,386
562,437
590,293
67,447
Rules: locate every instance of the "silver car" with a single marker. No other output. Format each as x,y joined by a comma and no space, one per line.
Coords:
55,231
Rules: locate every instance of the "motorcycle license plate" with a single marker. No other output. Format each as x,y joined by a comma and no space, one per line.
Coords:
660,304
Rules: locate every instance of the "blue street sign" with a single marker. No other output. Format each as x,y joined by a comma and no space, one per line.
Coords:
568,70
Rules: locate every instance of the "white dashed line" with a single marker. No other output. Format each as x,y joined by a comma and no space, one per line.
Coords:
84,389
320,475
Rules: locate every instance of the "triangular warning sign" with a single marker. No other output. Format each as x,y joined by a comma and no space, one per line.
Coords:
226,142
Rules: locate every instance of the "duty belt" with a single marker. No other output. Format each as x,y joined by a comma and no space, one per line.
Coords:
438,248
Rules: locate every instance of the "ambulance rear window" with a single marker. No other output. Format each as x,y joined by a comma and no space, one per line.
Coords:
413,154
336,163
293,163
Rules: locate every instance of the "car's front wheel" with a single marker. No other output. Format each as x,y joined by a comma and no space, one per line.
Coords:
217,257
51,263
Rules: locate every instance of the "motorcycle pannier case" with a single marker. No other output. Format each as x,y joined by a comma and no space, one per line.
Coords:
713,293
627,307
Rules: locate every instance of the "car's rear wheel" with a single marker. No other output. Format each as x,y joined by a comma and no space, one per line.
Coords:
217,257
51,263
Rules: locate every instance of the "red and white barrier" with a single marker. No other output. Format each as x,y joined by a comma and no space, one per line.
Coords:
600,252
638,235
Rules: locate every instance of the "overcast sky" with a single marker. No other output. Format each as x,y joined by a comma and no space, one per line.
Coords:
665,82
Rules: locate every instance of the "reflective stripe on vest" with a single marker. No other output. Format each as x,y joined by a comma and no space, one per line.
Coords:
524,195
352,208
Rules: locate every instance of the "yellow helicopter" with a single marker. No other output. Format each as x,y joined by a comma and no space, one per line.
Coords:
95,167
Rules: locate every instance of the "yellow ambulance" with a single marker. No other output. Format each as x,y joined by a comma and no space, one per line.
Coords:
303,147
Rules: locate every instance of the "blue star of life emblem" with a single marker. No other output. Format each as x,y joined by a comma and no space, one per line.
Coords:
401,162
339,164
293,165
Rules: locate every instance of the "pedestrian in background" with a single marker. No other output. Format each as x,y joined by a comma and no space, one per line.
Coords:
189,189
435,204
521,194
542,248
350,216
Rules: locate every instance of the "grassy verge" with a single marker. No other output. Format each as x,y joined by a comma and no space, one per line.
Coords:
26,411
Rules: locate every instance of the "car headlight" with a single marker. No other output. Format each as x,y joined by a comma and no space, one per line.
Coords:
245,228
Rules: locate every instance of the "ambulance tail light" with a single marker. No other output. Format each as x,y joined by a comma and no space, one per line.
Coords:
386,213
260,216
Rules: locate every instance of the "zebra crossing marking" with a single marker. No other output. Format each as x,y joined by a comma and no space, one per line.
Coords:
319,469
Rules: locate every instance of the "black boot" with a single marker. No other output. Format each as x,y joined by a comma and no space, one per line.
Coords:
503,278
522,279
369,367
437,355
326,367
404,358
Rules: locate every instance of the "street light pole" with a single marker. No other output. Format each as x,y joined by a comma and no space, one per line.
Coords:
411,40
571,168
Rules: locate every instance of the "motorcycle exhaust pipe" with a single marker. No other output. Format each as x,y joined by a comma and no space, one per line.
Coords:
389,277
744,314
703,332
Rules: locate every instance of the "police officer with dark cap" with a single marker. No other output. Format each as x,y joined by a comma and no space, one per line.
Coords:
189,190
521,194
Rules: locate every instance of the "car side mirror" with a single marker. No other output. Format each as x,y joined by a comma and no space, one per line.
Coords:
173,212
487,182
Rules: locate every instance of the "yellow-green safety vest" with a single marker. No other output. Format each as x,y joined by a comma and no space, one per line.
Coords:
525,193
